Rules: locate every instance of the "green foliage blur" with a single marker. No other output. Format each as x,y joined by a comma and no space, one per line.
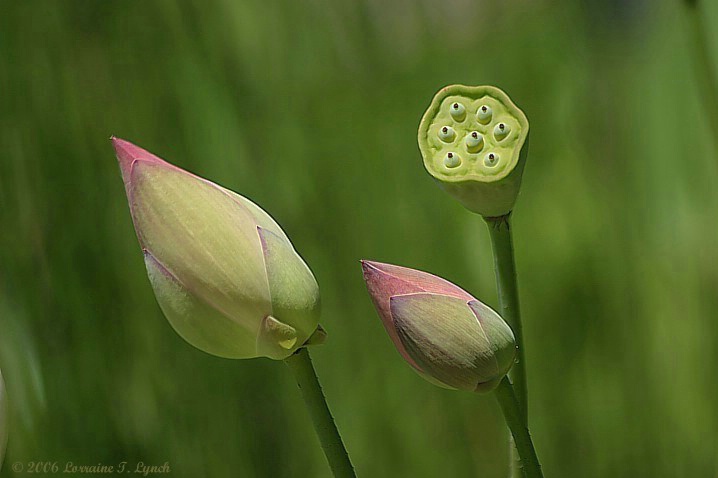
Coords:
311,109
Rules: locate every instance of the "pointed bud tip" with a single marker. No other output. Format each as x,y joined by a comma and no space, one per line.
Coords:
409,280
372,272
128,154
372,266
366,267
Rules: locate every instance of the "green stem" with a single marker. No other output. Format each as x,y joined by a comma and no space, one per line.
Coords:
705,71
337,456
513,413
508,292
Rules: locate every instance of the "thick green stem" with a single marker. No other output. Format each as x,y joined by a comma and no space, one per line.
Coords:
331,441
513,413
704,67
508,292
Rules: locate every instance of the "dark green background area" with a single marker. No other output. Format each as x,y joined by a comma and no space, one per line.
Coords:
310,109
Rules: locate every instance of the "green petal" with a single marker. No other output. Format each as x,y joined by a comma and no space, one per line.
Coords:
261,218
443,336
499,334
195,321
293,290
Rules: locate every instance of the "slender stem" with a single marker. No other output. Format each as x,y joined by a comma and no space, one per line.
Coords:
513,414
704,67
306,376
508,292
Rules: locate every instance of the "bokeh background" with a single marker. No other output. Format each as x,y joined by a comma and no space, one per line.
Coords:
311,108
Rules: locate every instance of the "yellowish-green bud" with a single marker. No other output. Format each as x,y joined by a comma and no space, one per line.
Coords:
224,273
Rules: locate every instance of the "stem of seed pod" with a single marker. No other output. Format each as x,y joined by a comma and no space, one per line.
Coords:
508,292
513,413
337,456
704,67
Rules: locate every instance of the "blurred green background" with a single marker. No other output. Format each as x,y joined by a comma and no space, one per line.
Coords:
310,109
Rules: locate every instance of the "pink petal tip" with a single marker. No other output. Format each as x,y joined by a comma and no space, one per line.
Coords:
128,154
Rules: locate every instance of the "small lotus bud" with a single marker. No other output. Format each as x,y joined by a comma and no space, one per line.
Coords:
448,336
3,420
494,124
224,273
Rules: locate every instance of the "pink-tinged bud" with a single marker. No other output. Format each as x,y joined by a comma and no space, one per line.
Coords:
224,273
449,337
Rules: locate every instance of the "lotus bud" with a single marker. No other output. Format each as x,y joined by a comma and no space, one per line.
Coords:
224,273
449,337
491,133
3,420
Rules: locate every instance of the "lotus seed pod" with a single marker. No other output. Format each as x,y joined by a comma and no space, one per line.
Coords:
224,273
3,420
486,186
449,337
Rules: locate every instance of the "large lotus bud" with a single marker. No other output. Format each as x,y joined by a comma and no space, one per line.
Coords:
474,142
224,273
3,420
449,337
